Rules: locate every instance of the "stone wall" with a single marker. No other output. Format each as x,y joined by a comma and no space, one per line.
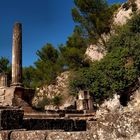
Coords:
55,124
10,118
113,126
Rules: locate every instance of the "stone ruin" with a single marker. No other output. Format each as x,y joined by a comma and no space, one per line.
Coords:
85,101
12,98
3,80
14,95
16,111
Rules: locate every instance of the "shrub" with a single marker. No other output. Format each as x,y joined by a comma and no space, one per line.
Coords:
56,101
41,104
118,70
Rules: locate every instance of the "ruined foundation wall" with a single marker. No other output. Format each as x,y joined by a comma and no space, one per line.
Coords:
114,126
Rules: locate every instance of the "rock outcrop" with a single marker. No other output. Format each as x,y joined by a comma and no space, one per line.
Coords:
60,88
96,52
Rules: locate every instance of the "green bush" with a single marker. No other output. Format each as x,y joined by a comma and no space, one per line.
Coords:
56,101
41,104
118,70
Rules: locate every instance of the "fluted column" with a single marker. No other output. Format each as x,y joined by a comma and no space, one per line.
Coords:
17,55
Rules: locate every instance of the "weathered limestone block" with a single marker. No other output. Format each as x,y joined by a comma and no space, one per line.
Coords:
16,96
2,91
48,135
68,136
29,135
6,96
5,135
84,101
59,135
10,118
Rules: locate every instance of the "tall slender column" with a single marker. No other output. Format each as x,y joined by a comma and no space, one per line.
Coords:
17,55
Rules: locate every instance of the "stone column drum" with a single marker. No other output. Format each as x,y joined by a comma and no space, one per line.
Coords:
17,55
3,80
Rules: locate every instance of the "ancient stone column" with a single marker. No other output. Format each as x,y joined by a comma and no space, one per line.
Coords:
17,56
3,80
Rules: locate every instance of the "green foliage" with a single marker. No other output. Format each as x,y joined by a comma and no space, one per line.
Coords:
57,100
41,104
118,70
29,77
73,57
111,75
73,52
46,72
95,17
77,40
47,66
126,36
48,53
5,67
53,61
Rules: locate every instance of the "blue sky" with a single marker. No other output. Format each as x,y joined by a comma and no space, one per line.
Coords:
44,21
